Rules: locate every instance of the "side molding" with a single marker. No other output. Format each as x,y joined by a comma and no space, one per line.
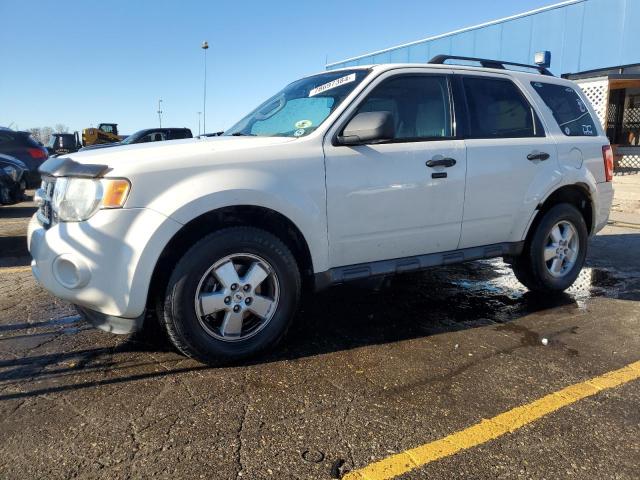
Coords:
338,275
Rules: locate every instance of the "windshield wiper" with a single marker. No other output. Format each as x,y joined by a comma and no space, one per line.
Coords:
241,134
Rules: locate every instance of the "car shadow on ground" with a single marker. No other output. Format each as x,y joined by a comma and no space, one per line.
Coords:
410,306
15,248
17,211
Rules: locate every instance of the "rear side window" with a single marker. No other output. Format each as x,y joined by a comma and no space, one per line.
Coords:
5,138
567,108
498,109
176,134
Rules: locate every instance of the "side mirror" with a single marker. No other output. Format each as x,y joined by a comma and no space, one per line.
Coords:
368,127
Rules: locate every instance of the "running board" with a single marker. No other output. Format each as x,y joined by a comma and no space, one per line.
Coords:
360,271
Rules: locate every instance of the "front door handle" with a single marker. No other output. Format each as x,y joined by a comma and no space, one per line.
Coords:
440,162
542,156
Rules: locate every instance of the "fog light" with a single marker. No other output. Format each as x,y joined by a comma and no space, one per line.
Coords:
71,272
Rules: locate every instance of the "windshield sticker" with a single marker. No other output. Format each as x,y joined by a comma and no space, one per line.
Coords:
299,132
303,124
581,105
567,130
333,84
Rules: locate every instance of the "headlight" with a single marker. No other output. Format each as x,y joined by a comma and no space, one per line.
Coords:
11,171
77,199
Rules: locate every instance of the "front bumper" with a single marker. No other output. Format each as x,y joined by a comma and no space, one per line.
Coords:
109,323
104,264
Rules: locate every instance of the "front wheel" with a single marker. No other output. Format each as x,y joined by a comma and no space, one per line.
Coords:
555,252
232,295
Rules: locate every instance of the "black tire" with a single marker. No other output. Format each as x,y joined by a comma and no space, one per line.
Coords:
179,313
530,267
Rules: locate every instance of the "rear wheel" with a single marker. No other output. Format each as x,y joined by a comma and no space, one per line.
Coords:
555,252
232,295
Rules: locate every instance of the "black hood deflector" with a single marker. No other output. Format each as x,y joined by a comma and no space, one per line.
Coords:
65,167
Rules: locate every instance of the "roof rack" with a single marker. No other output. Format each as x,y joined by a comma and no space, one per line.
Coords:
487,63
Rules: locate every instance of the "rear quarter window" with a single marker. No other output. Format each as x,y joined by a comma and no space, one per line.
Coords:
25,139
568,109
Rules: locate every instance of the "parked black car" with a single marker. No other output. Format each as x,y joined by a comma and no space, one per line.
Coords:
61,143
22,146
147,135
12,180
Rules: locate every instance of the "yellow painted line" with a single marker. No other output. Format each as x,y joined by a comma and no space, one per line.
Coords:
4,270
492,428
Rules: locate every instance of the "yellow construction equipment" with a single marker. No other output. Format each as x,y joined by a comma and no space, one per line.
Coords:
105,133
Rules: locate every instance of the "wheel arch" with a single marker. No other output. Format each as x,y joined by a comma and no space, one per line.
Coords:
230,216
576,194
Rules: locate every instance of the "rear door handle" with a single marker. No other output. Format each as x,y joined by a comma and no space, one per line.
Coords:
440,162
538,156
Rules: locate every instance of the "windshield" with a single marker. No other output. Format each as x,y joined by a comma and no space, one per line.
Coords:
300,107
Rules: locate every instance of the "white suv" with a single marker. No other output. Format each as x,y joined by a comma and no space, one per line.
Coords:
344,175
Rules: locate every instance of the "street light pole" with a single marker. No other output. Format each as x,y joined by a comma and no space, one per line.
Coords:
205,47
199,114
160,112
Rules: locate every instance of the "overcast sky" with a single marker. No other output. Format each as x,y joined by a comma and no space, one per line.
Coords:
81,63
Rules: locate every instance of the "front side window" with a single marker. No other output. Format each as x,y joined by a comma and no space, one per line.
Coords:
300,107
497,109
568,109
419,106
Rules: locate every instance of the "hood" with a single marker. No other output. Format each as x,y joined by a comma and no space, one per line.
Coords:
99,145
172,154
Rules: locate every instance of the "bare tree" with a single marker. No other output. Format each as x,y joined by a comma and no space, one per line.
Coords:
36,133
45,134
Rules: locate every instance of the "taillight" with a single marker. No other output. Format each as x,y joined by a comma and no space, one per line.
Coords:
607,157
37,153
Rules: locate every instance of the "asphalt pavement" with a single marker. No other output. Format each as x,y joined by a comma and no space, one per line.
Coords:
363,377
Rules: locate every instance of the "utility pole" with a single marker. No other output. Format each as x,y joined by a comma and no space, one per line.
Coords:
160,112
205,47
199,115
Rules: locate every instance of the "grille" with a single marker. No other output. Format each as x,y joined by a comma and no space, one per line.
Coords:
43,198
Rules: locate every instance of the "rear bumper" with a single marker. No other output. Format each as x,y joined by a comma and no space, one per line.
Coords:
603,206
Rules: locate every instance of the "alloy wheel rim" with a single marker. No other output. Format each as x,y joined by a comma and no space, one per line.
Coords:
237,297
561,249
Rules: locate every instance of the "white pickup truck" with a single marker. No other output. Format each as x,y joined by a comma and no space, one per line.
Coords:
343,175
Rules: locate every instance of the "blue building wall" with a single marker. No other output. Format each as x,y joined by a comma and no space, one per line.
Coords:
582,35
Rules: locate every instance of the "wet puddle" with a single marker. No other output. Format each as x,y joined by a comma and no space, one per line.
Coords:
456,297
489,291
